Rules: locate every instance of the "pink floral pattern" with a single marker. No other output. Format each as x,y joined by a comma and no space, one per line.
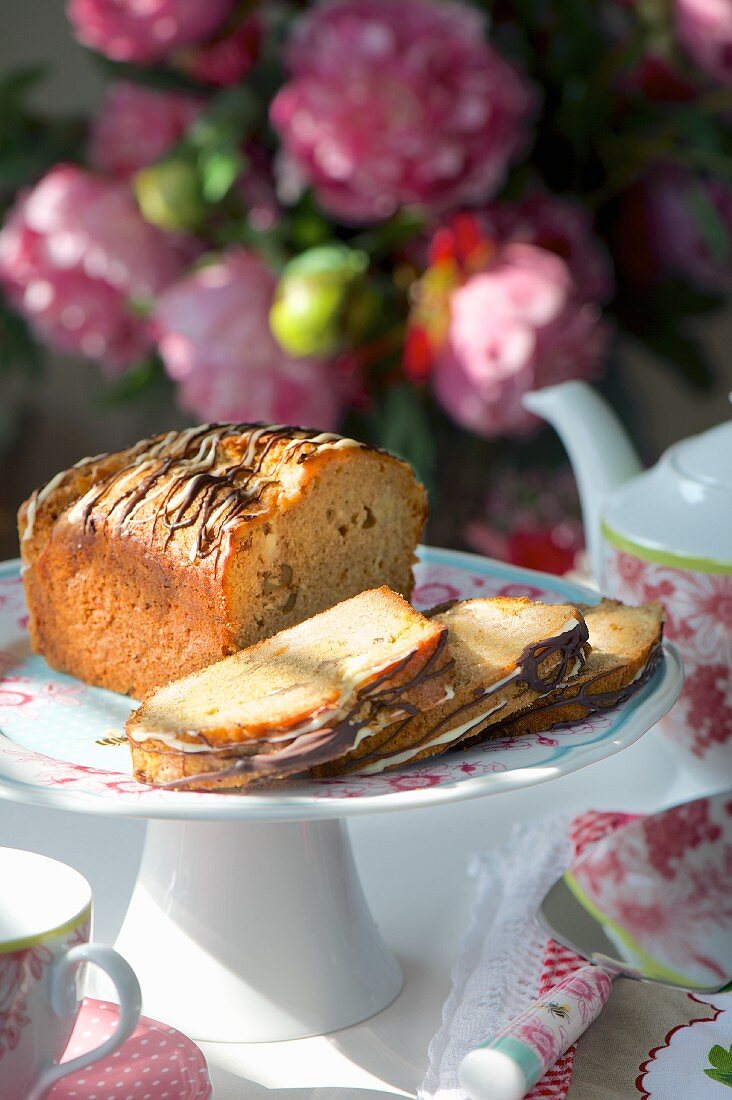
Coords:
581,996
19,971
24,691
699,620
668,917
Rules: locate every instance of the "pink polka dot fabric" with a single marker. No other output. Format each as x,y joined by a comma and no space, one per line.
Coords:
156,1062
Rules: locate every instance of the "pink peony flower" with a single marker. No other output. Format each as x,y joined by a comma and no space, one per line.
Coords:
677,206
560,226
137,125
391,104
705,31
75,255
227,59
514,327
147,31
214,337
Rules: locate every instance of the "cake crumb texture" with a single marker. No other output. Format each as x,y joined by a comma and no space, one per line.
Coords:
146,564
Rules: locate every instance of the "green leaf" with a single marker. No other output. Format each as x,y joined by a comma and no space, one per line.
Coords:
721,1078
144,377
721,1058
391,235
15,86
681,352
219,169
230,119
403,428
158,77
710,223
307,224
675,298
18,349
238,231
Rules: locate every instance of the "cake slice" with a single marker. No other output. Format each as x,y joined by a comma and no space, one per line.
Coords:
151,562
309,694
507,653
626,648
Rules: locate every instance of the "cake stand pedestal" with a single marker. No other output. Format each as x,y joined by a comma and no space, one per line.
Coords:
245,931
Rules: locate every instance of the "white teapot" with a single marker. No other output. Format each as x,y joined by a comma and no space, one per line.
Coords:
661,534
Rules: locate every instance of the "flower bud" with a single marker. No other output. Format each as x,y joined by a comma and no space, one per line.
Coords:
321,300
169,194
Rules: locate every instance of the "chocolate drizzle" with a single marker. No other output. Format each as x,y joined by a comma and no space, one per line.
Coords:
305,750
567,645
208,478
598,700
570,644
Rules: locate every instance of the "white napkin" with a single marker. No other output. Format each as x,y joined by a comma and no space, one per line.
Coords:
497,971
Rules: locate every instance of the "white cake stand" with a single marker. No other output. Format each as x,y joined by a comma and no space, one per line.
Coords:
248,922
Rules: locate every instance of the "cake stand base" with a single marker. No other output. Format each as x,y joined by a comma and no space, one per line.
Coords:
255,932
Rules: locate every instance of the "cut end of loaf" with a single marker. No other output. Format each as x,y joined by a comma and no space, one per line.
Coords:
143,565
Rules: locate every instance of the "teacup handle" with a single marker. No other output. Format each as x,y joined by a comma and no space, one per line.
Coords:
63,1000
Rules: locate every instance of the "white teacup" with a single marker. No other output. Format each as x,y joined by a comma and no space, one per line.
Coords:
45,922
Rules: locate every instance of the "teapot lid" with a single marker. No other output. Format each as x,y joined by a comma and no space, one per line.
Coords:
706,457
678,512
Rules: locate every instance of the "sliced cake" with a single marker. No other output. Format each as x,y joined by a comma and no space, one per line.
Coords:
309,694
626,647
507,653
146,564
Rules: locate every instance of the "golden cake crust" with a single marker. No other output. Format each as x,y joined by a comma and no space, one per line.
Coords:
307,693
145,564
494,642
625,641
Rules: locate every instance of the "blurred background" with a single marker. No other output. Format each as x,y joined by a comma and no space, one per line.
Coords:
386,218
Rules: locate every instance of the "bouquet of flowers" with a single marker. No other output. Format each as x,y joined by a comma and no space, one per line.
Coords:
398,213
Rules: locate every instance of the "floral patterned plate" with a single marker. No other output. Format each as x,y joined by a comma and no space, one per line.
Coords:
62,743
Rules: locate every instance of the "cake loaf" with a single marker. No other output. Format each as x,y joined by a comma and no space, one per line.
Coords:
308,694
508,652
152,562
626,648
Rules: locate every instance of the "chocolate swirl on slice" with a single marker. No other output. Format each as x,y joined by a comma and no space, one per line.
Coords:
305,750
592,700
570,644
569,647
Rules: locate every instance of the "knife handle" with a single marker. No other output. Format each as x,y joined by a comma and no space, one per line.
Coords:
506,1066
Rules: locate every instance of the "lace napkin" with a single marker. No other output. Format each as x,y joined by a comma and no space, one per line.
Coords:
649,1042
500,961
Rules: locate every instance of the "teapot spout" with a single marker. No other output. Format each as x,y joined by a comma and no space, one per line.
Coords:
599,449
